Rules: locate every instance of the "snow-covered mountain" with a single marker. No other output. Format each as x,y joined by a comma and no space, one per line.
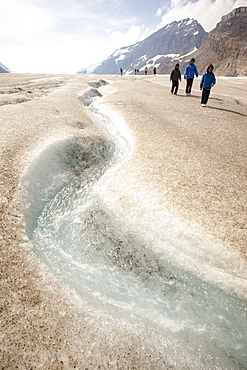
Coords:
89,69
172,43
3,69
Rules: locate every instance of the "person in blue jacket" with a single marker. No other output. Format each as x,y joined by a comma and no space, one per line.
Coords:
208,80
189,75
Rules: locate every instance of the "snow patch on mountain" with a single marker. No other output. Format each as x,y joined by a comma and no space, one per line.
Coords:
189,22
185,55
143,57
121,57
121,51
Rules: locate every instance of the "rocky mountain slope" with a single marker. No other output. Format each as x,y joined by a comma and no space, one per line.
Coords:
3,69
171,43
226,45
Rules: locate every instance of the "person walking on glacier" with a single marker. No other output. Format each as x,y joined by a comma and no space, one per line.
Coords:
175,77
189,75
207,82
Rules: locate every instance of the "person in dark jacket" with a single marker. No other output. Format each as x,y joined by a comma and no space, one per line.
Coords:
189,75
208,80
175,77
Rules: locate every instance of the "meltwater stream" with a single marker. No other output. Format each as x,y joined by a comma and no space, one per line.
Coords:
93,253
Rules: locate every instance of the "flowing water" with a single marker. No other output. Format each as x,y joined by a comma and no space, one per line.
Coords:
95,254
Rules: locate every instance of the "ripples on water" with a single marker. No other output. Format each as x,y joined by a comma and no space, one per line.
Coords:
94,253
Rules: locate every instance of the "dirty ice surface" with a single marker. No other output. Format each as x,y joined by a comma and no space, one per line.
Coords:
123,273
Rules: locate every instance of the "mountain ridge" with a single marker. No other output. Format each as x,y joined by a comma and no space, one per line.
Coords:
177,42
226,45
3,69
167,43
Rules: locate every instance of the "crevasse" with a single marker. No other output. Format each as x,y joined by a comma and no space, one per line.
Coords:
94,254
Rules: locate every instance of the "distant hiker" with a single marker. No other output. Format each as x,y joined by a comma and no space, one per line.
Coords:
189,74
174,77
135,71
146,70
208,80
121,71
155,70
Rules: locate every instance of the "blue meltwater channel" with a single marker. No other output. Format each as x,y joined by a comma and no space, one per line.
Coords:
95,255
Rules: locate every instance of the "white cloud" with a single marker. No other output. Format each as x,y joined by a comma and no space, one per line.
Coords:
159,12
62,36
207,12
130,37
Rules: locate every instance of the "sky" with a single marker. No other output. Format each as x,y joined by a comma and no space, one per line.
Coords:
63,36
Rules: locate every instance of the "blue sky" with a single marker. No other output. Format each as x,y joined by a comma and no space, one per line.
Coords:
63,36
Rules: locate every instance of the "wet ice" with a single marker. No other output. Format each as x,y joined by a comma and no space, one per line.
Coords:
118,271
